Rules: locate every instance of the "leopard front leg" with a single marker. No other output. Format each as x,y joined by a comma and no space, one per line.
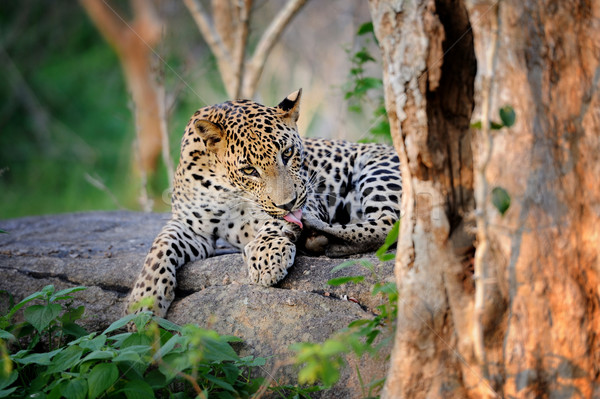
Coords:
271,252
176,245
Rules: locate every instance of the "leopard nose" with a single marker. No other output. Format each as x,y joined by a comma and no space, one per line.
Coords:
289,206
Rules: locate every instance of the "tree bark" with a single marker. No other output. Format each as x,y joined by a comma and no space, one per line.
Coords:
533,331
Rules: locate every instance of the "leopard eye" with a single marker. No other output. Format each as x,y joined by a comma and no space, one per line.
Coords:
287,154
250,171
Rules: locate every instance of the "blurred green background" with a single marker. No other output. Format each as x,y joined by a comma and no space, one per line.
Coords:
66,119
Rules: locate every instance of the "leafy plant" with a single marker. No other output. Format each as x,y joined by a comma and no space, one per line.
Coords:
323,362
362,89
160,359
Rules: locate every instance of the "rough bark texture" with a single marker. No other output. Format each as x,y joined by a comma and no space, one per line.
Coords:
540,272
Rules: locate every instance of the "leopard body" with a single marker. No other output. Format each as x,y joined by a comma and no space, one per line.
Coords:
247,177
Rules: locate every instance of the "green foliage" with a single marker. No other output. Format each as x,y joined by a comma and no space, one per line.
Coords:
366,91
161,359
507,117
500,199
66,113
323,362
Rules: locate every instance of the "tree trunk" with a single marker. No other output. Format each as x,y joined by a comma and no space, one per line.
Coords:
133,42
527,323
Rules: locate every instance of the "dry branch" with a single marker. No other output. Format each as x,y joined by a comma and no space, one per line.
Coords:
240,75
256,64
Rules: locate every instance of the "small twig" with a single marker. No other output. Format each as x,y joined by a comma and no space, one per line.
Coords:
96,182
267,382
214,42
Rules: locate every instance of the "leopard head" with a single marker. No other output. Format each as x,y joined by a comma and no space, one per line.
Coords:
261,150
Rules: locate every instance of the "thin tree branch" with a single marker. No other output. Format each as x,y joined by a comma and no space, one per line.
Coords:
99,184
225,17
241,40
256,64
214,41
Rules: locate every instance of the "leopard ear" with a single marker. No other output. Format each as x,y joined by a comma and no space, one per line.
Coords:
211,134
291,105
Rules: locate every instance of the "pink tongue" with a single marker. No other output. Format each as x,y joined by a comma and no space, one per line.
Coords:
294,217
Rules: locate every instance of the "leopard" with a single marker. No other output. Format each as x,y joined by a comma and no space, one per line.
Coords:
247,177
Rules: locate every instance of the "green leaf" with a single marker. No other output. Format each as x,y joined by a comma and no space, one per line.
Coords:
365,28
390,240
5,335
169,345
122,322
40,316
507,115
56,388
500,199
387,257
347,279
12,377
496,125
28,299
93,344
101,379
167,325
363,56
216,350
128,356
368,83
388,288
358,323
3,231
136,339
250,361
137,389
66,359
476,125
72,315
43,359
99,355
220,383
74,330
63,294
77,388
333,347
5,393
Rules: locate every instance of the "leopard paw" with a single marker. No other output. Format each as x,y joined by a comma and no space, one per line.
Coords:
268,260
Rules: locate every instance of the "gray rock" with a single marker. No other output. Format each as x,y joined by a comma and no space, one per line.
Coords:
105,251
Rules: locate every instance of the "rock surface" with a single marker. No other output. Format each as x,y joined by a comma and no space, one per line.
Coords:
104,251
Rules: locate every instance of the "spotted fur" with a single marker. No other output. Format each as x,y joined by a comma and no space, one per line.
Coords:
244,170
